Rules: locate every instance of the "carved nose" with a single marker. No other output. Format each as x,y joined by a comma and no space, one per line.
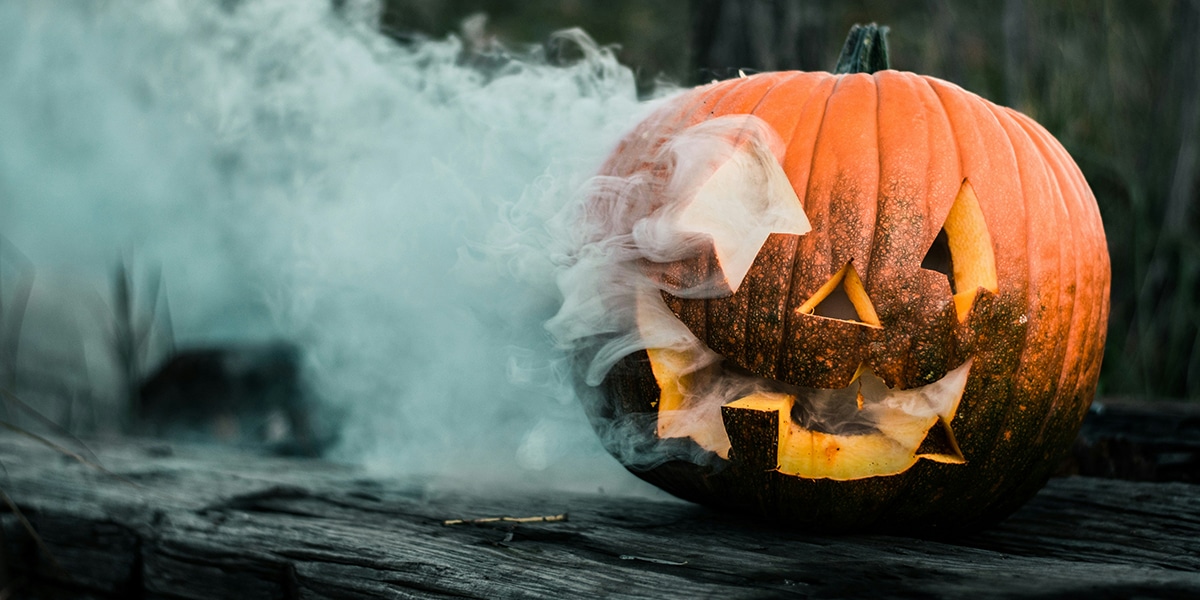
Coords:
843,297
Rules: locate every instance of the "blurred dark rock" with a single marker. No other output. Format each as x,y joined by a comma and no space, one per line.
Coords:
244,394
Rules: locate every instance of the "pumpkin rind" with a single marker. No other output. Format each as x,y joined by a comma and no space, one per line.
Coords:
877,161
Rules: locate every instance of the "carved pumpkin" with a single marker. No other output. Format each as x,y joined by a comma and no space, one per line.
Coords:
906,334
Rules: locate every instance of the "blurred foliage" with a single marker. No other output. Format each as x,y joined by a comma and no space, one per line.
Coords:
650,36
1117,81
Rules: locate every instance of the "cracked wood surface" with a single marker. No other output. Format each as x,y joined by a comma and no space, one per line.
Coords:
178,522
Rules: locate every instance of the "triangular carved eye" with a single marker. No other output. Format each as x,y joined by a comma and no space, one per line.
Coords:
963,252
842,297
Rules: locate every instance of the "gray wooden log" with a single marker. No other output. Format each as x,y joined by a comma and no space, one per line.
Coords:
178,522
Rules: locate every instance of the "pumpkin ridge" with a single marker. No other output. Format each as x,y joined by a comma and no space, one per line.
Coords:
1032,292
917,173
1011,156
1056,429
977,111
962,175
938,107
812,157
1075,338
776,82
751,89
747,350
1017,133
824,212
880,212
744,301
786,325
786,81
1025,457
867,269
974,110
838,205
709,102
1064,373
717,311
1097,283
1100,250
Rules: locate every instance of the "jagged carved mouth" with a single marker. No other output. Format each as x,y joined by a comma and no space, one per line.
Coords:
865,429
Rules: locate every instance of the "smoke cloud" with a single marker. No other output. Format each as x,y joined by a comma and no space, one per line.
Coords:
293,174
675,210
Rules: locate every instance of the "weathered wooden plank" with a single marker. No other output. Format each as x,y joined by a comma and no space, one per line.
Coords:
1141,440
204,523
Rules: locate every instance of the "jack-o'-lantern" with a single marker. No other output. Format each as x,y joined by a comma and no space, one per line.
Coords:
868,300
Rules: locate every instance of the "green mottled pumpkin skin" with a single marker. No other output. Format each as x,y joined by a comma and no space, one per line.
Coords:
877,160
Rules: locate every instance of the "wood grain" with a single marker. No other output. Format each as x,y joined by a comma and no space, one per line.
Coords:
180,522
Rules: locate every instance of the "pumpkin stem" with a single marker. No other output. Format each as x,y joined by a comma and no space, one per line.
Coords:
865,50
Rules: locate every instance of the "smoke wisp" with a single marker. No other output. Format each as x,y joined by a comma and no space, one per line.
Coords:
295,174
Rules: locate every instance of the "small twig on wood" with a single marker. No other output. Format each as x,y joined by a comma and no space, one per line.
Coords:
542,519
657,561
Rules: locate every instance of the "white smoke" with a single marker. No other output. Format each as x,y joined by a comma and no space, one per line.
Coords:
691,194
295,174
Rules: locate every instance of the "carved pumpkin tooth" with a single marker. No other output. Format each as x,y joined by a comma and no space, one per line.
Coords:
862,368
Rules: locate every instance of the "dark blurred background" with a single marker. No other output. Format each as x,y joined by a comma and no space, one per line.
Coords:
1117,81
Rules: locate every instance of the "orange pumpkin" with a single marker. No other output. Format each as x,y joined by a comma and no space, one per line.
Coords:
913,345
